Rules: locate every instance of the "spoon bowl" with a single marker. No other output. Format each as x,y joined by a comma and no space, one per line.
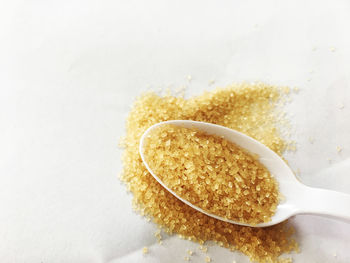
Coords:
297,197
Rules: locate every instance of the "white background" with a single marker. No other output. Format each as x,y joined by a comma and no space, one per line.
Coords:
69,72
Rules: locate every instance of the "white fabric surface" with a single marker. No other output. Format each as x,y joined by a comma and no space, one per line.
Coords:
69,71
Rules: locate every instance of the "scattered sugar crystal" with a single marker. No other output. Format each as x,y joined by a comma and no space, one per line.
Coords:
207,259
339,149
145,250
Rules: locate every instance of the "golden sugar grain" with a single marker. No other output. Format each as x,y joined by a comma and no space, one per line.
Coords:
207,259
212,173
203,248
246,108
145,250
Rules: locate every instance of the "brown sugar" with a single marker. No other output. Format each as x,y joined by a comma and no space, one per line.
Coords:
212,173
247,108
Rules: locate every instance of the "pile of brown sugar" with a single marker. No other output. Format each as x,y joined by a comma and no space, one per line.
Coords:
246,108
212,173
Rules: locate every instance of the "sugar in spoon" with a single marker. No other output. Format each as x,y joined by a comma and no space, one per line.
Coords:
298,198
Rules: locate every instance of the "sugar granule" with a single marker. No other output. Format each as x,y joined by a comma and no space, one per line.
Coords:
158,236
339,149
211,82
203,248
244,107
212,173
296,89
145,250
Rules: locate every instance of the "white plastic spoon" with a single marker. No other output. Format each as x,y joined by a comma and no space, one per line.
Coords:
299,198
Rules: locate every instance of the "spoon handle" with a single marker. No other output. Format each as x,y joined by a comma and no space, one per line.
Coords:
324,202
